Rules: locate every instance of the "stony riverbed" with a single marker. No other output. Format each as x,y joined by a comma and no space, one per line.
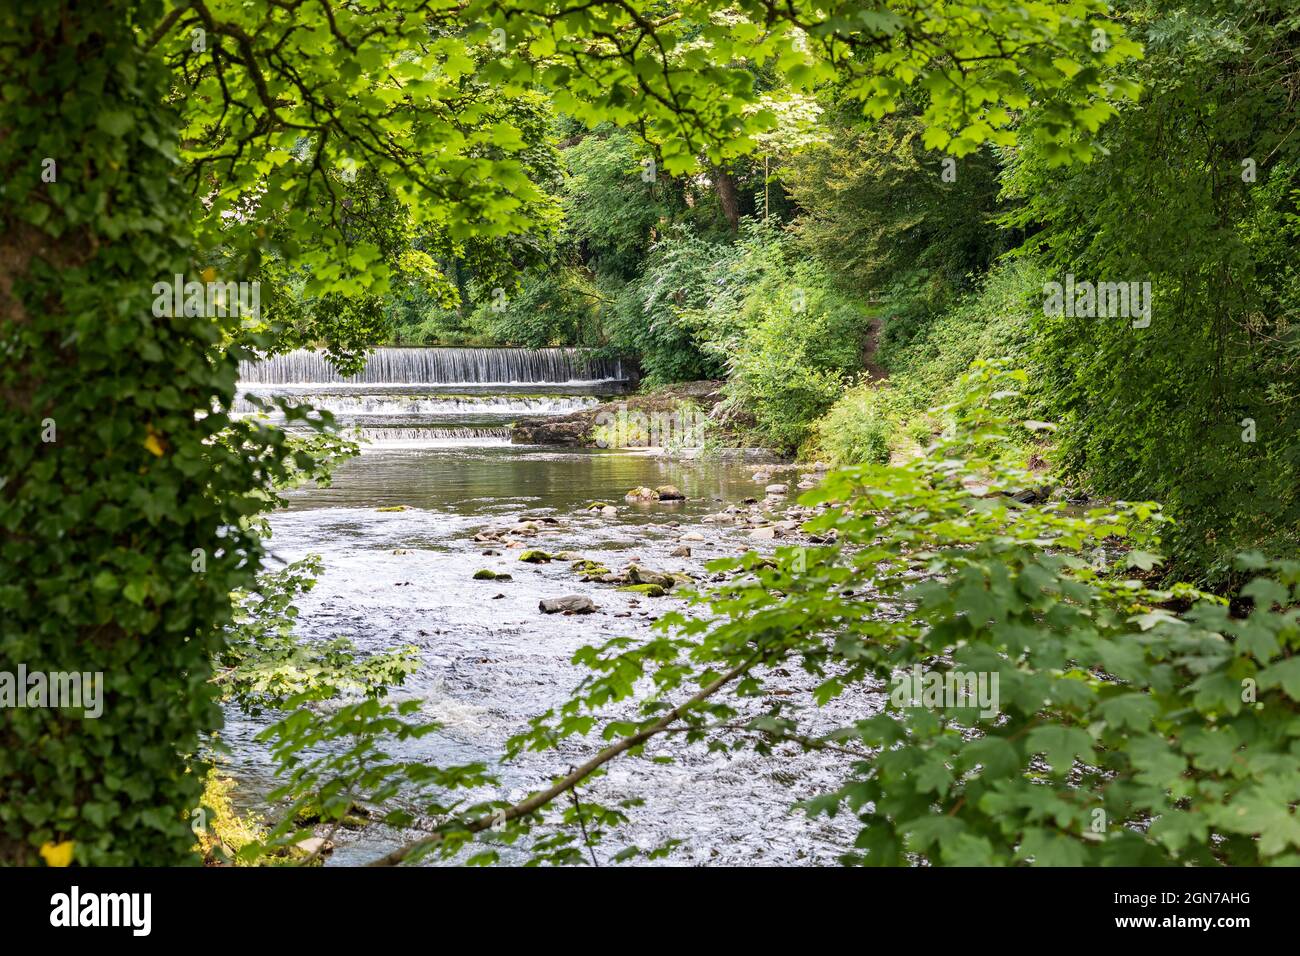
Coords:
427,506
490,659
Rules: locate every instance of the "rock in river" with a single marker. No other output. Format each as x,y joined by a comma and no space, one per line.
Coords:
635,574
649,590
568,604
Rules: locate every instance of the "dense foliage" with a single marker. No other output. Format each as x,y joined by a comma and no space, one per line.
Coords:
920,261
1200,408
836,207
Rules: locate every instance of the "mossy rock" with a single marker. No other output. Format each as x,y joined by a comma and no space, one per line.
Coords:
532,556
649,590
487,574
355,817
393,508
587,566
639,575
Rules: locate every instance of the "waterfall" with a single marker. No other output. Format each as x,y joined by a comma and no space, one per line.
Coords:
437,366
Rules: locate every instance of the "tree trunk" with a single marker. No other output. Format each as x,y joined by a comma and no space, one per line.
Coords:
726,186
120,536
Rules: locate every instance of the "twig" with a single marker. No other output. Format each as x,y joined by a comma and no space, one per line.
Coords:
583,824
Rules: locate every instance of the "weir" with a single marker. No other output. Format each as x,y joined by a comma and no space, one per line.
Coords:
434,396
399,405
453,434
440,366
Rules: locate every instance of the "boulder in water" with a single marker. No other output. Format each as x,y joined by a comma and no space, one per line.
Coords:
642,494
568,604
568,430
533,556
487,574
314,845
669,493
636,574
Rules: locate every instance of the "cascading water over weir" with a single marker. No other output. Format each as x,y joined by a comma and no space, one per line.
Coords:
420,396
437,366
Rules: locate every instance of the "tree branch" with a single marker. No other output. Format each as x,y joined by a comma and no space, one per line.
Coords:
541,799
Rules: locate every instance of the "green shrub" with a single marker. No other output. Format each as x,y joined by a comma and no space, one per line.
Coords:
648,317
857,430
926,353
789,339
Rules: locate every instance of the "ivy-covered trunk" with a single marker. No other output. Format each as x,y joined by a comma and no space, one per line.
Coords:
111,566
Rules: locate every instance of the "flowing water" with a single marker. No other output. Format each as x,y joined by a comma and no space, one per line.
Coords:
420,366
489,659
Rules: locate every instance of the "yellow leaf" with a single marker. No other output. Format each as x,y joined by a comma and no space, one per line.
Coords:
58,854
152,444
209,274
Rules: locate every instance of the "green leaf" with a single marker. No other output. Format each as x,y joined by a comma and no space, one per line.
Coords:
1061,746
116,123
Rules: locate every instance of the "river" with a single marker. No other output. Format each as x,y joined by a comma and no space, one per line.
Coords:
436,428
